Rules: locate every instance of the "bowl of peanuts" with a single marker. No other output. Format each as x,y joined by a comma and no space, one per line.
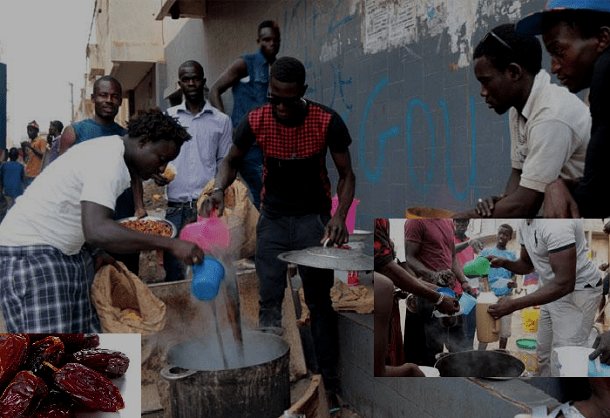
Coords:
150,225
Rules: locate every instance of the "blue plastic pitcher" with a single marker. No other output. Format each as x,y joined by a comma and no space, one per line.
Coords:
446,291
467,302
207,277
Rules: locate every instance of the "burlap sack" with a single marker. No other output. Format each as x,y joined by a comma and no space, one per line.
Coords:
240,215
124,303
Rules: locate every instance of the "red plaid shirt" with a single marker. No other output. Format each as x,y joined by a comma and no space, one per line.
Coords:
295,178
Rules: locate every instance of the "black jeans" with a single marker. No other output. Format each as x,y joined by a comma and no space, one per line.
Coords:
275,235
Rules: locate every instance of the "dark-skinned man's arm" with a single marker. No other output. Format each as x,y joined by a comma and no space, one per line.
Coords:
101,231
235,72
336,229
227,173
563,265
67,139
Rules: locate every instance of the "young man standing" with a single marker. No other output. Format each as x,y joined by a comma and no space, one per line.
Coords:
199,158
295,135
107,97
12,178
248,78
576,34
504,291
53,141
549,127
570,284
389,274
430,253
34,152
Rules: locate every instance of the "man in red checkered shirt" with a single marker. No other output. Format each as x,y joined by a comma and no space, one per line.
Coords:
295,135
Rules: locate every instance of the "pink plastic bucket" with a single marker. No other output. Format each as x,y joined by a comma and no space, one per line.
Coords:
350,220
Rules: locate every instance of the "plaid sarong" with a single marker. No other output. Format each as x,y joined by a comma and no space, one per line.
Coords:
43,290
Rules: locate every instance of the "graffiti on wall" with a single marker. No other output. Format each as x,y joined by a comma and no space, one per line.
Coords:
347,47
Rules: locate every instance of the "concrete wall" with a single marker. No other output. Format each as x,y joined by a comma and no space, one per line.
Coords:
145,92
186,44
431,398
400,75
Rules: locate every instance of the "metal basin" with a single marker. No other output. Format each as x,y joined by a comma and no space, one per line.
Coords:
476,363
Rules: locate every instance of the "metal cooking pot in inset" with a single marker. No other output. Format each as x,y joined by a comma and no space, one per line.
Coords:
258,388
476,363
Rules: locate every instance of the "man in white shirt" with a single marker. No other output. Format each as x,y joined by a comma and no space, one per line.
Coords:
549,126
570,284
46,269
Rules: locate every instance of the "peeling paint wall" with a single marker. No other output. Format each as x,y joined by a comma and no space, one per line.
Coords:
391,24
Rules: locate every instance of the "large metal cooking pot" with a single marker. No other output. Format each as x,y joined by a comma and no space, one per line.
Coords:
200,386
475,363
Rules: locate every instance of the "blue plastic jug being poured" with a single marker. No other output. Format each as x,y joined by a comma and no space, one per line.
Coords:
211,234
207,277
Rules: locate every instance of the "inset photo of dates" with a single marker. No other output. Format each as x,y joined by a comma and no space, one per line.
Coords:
70,375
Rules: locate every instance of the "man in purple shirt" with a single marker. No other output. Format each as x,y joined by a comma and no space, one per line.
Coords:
199,158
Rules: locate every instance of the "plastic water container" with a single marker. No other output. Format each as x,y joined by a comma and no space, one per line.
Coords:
598,369
350,220
446,291
571,361
529,319
209,233
527,354
207,277
467,303
477,267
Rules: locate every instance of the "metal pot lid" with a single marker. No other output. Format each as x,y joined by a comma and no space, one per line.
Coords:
329,258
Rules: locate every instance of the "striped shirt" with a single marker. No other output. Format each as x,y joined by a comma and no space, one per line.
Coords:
199,158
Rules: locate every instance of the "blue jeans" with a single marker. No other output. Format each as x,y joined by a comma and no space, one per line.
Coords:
275,235
252,172
179,216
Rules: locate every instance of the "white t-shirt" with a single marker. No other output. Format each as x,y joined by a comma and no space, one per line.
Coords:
549,138
49,211
544,236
